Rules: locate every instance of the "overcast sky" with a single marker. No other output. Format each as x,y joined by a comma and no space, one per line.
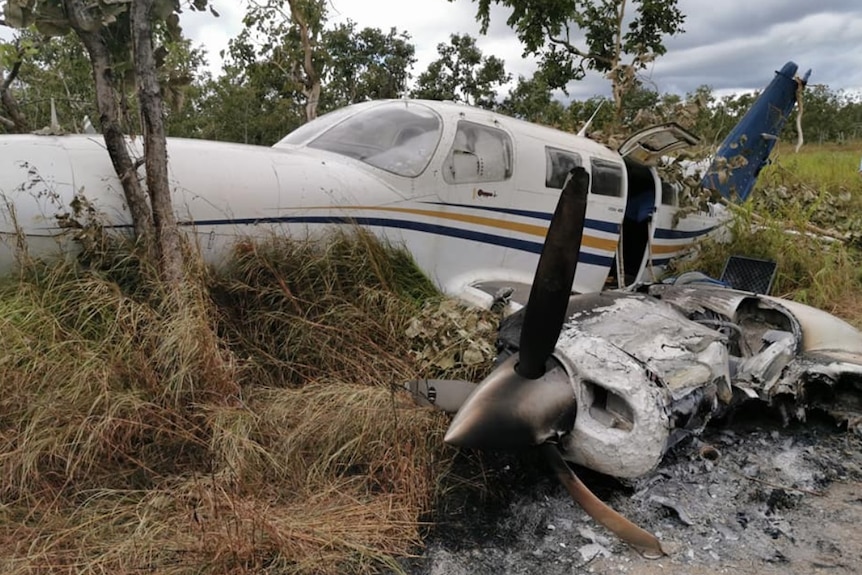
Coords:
730,45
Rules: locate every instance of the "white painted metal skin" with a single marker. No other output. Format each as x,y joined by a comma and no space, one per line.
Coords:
468,192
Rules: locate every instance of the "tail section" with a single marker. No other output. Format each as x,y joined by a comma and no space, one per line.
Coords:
746,150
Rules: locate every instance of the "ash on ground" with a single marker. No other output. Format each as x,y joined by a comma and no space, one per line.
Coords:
739,499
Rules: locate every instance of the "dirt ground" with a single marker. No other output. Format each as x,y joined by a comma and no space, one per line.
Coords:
776,500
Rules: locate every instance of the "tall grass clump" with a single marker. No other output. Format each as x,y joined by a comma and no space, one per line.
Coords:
336,309
820,187
264,432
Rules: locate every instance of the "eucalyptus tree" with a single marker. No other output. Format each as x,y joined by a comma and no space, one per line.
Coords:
462,74
532,99
614,37
118,36
273,69
286,34
366,64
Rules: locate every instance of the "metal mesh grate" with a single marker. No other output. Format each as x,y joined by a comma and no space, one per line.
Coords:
749,274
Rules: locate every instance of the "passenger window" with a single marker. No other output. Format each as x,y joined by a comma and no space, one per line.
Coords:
558,164
479,154
607,178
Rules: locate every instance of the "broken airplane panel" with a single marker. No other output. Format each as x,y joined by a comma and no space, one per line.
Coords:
468,192
612,380
652,367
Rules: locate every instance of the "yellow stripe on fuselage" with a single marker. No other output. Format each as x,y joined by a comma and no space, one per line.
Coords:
669,249
529,229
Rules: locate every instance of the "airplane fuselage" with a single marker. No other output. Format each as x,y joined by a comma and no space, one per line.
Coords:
468,192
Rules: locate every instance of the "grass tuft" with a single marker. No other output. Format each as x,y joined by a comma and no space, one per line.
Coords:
258,429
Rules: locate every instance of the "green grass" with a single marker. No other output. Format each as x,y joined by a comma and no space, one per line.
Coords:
799,198
830,168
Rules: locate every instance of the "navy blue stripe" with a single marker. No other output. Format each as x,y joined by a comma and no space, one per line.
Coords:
603,261
599,225
666,234
602,226
521,245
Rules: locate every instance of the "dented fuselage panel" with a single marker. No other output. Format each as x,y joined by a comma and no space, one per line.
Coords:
649,368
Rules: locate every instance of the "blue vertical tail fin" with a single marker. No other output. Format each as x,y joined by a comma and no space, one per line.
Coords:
746,149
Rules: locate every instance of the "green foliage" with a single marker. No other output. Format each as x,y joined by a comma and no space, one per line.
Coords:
820,183
545,27
261,95
58,68
364,65
59,17
829,116
532,100
462,74
258,98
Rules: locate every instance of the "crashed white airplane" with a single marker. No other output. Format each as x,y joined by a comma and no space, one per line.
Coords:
608,380
612,380
467,191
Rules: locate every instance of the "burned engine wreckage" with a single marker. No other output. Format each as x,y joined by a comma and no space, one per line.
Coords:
613,380
650,368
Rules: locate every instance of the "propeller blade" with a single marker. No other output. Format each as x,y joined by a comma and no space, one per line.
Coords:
552,285
642,540
507,411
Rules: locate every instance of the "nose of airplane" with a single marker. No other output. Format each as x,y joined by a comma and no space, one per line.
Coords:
508,411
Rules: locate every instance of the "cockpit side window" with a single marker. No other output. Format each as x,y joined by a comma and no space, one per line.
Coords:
479,154
399,137
607,178
558,164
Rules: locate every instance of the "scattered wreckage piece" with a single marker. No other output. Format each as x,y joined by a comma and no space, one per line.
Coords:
612,380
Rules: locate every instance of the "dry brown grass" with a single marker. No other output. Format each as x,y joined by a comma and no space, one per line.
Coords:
134,439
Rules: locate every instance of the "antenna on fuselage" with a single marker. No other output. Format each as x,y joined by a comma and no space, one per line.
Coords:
583,131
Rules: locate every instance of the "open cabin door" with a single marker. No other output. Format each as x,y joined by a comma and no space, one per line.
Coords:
641,153
648,146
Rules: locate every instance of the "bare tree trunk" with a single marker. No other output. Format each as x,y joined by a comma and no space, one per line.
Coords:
155,146
16,121
109,118
311,82
617,80
312,96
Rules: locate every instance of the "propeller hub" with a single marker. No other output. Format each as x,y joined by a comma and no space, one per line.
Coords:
509,411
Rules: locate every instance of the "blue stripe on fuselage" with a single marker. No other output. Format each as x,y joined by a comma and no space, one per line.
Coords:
485,238
666,234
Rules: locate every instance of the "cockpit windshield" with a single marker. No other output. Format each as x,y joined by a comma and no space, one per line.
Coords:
399,137
319,125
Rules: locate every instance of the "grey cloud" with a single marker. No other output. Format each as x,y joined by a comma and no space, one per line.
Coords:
728,44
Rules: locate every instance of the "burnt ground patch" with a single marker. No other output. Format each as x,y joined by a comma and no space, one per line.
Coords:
776,499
